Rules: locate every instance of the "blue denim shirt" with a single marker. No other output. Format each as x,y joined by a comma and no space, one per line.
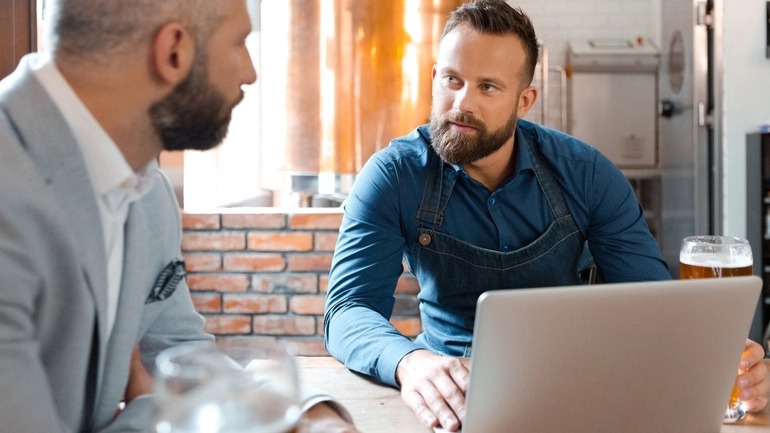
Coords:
379,225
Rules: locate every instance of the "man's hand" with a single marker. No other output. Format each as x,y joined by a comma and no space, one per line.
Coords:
139,380
752,379
321,418
434,387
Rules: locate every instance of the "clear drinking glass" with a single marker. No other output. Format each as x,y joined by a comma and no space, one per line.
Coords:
228,387
717,257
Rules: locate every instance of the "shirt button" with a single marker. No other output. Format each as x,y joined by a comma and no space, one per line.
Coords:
492,200
505,248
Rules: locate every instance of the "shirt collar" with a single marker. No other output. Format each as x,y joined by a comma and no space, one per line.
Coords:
521,144
132,188
108,169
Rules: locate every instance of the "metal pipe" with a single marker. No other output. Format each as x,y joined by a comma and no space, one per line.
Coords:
345,77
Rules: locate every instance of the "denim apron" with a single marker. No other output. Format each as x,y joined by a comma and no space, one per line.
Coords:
453,273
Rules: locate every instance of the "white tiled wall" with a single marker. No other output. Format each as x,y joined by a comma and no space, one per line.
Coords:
558,21
746,93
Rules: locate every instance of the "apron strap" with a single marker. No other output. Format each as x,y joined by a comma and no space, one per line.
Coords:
435,195
548,184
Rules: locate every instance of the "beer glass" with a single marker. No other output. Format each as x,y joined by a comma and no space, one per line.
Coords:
231,387
717,257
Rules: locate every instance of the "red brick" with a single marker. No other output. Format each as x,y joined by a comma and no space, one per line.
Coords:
410,327
320,328
323,283
245,341
310,262
218,282
406,306
255,221
254,262
285,283
213,241
325,241
284,325
307,304
280,241
203,262
407,285
255,304
194,221
316,221
207,302
228,324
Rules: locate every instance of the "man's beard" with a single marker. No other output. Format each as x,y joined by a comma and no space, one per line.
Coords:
458,148
195,115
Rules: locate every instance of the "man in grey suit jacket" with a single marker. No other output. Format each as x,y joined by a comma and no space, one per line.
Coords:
90,261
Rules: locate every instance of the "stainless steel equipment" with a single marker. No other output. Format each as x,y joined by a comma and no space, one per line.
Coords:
613,89
548,110
690,109
350,76
613,107
690,124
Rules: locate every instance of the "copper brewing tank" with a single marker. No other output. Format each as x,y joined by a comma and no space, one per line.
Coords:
340,79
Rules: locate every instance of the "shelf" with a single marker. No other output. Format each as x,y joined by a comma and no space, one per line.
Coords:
641,173
757,221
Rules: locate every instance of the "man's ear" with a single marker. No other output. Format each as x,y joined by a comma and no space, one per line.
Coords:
173,53
527,99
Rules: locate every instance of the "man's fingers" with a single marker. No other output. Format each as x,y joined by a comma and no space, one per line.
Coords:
438,405
452,395
415,401
753,381
753,390
437,401
434,387
756,405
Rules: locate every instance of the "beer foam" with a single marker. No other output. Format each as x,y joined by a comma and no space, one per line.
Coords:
711,260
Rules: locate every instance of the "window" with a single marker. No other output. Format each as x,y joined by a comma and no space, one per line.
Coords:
230,173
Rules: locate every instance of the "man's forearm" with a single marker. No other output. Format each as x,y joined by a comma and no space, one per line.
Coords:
366,342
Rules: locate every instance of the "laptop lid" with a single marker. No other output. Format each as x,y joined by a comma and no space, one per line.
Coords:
633,357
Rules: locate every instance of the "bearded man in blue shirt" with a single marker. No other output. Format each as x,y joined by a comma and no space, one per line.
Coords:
478,200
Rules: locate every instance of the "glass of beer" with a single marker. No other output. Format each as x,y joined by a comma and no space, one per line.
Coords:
717,257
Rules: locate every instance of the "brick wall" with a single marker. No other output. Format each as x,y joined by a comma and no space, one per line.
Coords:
263,273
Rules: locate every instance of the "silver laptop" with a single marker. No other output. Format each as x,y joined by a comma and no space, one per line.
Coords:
637,357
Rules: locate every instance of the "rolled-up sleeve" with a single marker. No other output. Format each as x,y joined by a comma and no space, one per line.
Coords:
366,266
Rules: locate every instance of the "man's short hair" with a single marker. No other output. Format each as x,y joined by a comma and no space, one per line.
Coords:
95,28
499,18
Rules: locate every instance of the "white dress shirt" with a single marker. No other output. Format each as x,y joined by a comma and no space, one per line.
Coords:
116,185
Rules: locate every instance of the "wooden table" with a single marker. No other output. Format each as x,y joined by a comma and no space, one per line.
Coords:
379,409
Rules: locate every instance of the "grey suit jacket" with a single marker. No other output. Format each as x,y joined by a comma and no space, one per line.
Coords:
59,371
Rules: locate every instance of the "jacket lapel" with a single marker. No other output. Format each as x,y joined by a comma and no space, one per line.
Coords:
52,147
125,330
